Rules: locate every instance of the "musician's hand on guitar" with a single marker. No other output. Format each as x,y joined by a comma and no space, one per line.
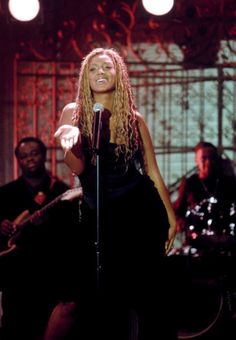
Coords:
7,228
68,136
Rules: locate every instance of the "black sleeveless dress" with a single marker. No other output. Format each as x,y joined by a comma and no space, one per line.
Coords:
132,224
126,266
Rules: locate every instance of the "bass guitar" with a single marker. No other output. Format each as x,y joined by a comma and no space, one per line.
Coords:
25,218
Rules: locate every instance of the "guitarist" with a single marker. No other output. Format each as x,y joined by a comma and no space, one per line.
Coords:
29,274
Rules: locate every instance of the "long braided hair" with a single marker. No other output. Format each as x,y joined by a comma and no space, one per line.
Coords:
123,110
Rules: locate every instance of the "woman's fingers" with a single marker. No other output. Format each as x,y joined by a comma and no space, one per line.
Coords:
66,143
76,138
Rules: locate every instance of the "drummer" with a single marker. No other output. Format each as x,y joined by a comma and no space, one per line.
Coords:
206,199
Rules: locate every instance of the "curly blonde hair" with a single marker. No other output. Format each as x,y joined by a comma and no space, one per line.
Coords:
123,110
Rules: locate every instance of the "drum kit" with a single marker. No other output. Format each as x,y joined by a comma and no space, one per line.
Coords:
204,266
211,224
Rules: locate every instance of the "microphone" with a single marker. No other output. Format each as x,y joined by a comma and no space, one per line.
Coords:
97,125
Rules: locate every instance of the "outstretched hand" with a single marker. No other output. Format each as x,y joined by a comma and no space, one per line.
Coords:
68,136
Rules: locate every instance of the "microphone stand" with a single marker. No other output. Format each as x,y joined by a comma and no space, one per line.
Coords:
96,152
100,122
97,244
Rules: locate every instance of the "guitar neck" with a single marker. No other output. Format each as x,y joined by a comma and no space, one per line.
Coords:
67,195
38,213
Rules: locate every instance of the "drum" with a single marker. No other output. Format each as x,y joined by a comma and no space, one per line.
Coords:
211,223
199,300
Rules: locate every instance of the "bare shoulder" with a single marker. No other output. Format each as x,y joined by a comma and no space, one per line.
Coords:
138,115
70,106
67,112
141,120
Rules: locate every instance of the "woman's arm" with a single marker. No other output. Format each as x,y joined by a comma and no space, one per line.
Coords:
153,172
70,140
